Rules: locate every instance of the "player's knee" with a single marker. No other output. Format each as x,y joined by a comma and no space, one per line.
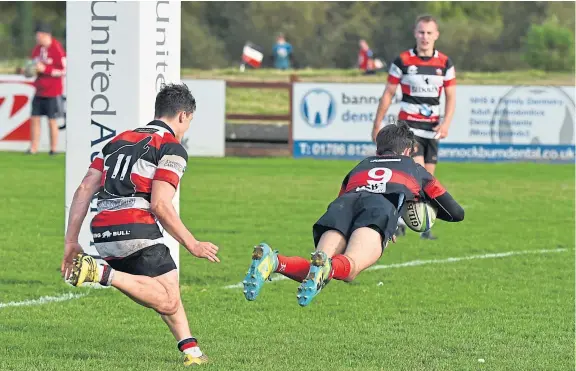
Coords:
351,277
458,215
166,310
169,307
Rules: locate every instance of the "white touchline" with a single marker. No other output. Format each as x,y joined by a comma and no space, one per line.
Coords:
42,300
415,263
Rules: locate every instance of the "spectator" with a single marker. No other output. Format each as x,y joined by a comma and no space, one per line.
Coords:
282,53
366,58
49,59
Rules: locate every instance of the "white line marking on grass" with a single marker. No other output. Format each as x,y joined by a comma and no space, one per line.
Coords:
42,300
415,263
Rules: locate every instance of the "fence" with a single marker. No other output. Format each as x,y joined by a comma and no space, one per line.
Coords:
265,117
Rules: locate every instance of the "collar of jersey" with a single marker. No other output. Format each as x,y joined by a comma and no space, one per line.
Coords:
162,124
388,153
415,51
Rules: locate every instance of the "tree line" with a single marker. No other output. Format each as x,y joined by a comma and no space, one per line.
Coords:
478,36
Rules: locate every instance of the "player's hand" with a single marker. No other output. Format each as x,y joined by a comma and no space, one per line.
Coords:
71,251
442,131
206,250
40,67
393,238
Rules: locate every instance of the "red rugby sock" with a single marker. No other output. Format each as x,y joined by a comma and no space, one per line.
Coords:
293,267
340,267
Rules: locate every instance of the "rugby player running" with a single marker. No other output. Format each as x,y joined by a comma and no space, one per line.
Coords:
423,73
357,226
136,176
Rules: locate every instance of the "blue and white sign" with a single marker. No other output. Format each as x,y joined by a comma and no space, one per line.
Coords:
491,123
318,108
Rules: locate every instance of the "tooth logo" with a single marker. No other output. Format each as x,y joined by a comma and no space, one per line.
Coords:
318,108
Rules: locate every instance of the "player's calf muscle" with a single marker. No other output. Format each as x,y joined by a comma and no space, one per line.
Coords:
364,249
332,243
353,269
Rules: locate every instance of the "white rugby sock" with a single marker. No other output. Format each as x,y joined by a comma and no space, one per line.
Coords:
194,351
105,275
190,346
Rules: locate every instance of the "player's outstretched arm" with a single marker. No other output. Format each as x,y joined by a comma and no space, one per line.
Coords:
161,205
448,209
78,210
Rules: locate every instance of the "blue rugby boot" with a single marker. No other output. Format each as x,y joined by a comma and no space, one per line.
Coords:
264,263
318,277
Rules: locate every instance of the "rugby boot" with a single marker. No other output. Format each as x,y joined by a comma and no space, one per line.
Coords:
85,269
428,236
264,263
317,278
190,360
401,230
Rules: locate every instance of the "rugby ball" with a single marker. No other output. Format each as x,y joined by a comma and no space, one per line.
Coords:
30,69
419,215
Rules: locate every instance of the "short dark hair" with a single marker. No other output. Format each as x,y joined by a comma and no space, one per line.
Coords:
43,27
426,18
394,137
174,98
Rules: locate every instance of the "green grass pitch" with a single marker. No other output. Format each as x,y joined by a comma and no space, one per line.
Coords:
515,312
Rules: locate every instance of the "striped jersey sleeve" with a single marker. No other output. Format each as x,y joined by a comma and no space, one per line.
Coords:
450,75
430,185
395,73
433,189
172,161
98,162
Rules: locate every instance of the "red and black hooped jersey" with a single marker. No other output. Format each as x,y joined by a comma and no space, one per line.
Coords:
129,163
422,80
400,179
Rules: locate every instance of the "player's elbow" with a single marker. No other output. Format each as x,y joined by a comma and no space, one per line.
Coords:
390,90
85,188
159,207
458,214
387,96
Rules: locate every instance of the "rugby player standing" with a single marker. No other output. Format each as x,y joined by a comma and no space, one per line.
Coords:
357,226
423,73
136,176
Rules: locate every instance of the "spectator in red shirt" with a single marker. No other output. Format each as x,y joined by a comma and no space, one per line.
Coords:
365,58
49,58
